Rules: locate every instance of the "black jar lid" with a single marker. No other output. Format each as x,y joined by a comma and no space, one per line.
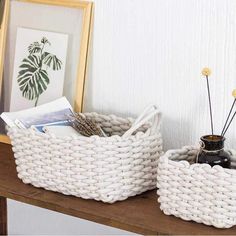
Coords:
212,142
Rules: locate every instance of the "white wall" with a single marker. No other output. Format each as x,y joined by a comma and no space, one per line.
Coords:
153,51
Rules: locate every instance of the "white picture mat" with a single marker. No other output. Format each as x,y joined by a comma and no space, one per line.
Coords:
49,18
58,47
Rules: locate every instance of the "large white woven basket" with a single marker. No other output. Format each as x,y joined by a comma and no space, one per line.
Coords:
197,192
102,168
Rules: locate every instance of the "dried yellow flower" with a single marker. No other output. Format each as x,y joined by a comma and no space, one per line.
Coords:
206,71
234,93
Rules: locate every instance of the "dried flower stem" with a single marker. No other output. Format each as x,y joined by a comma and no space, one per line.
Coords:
85,126
228,117
229,123
209,99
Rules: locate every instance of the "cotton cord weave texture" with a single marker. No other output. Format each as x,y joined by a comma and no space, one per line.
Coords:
197,192
101,168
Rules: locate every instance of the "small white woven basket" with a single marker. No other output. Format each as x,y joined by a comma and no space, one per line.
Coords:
197,192
101,168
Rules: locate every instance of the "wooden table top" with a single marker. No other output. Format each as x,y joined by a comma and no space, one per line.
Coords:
140,214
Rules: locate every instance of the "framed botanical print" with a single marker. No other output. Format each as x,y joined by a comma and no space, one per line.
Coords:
44,48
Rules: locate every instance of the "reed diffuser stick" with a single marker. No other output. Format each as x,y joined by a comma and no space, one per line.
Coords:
206,72
234,95
229,123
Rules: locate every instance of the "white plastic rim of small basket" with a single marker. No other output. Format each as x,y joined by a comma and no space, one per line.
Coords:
149,112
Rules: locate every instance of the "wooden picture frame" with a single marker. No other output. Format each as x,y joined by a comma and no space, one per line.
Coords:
3,35
87,8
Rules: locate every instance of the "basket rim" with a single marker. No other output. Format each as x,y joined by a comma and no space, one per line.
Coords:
185,164
136,136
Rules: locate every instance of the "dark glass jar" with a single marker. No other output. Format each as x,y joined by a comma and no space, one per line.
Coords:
212,151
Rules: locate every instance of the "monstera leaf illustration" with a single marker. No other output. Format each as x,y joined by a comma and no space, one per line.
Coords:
32,79
51,60
34,47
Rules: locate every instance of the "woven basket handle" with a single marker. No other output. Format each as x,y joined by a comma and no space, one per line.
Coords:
149,112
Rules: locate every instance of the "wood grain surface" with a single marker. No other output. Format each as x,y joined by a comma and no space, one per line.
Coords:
140,214
3,216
